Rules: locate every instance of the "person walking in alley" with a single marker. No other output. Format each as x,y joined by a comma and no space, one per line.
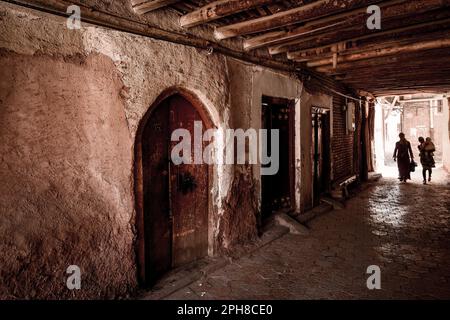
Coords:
403,155
427,149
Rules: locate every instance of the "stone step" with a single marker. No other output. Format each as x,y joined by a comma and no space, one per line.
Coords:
315,212
294,226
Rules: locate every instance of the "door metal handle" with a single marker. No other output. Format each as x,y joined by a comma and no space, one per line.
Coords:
186,182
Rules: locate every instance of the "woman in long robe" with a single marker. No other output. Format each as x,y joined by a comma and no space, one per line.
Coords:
426,149
403,155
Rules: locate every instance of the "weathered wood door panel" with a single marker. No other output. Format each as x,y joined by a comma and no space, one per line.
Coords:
189,193
175,196
278,190
320,153
157,219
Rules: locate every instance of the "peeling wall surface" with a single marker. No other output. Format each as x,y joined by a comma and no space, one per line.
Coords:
70,105
248,83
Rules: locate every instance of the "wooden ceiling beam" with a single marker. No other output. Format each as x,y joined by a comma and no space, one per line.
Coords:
277,37
346,19
377,68
436,60
391,82
318,57
435,97
429,31
391,77
141,7
397,16
374,53
219,9
308,12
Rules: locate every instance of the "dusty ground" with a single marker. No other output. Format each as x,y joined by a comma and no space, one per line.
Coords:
402,228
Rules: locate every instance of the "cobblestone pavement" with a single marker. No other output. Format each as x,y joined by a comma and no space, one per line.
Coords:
402,228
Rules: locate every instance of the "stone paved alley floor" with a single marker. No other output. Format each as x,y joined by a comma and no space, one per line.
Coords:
402,228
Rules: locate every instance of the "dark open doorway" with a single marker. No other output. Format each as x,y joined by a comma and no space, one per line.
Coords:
320,152
278,190
172,200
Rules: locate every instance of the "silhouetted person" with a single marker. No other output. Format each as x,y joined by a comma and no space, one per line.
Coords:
427,150
403,155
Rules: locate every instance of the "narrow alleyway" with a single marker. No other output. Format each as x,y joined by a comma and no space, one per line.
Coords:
402,228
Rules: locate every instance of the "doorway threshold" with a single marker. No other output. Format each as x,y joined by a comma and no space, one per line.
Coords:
183,277
315,212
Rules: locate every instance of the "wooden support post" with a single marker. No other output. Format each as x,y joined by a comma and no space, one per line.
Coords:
334,49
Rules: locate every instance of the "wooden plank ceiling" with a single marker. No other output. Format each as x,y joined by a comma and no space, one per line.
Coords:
409,54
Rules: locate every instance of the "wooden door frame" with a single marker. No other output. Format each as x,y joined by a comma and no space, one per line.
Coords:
327,112
290,104
364,172
291,107
138,171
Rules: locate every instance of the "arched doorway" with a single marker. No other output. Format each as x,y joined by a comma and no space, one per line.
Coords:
172,200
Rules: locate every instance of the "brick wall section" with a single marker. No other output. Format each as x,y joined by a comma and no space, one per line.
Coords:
342,143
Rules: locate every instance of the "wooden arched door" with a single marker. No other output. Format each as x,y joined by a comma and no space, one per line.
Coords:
175,197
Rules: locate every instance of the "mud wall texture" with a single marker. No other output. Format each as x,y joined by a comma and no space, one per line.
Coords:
65,176
249,84
70,105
